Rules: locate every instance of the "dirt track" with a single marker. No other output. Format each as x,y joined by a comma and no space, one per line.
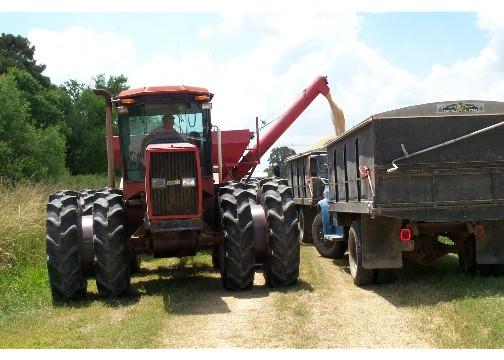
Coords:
181,304
325,310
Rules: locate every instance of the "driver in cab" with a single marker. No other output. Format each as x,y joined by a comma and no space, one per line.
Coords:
164,133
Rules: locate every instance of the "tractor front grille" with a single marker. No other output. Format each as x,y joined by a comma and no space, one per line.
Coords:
173,199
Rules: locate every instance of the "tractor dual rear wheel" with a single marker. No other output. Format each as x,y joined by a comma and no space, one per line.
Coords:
281,266
236,259
86,198
112,258
66,279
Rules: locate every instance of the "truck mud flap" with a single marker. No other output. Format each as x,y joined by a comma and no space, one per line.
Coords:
490,244
381,248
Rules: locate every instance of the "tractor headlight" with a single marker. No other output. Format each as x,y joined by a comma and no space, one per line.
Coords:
188,182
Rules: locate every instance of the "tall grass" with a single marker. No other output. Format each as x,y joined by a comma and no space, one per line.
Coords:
22,224
22,232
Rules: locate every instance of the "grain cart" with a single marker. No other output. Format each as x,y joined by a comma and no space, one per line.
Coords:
307,176
184,188
420,182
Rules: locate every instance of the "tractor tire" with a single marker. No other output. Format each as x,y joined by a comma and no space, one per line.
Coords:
110,190
86,198
360,275
327,249
250,190
237,265
112,258
281,266
62,247
305,222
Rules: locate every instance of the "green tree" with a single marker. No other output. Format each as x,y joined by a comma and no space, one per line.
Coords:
114,84
86,148
16,51
277,158
46,106
26,152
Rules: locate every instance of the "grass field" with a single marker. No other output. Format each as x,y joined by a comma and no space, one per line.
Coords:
23,275
446,308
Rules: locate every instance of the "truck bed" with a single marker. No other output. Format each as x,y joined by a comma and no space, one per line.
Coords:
458,182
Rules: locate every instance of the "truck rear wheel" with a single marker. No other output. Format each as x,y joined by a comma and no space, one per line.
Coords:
467,258
237,265
66,279
305,225
360,275
112,258
281,266
327,249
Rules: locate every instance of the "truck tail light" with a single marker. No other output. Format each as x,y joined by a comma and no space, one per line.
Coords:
405,234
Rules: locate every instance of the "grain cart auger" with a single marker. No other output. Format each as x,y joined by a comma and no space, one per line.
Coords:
183,189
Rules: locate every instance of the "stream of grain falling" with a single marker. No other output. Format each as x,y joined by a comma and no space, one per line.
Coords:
337,116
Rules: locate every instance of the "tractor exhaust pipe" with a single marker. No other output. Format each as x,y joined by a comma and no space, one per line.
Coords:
108,127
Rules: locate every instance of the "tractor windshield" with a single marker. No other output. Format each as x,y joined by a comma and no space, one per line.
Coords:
144,124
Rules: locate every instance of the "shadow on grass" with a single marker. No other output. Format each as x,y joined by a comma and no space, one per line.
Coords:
186,289
442,281
131,299
198,289
343,264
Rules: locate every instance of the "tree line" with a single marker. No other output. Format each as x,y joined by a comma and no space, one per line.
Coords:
48,130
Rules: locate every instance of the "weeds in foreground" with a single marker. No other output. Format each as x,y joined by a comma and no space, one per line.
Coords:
23,276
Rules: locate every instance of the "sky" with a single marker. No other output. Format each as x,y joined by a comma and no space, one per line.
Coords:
258,59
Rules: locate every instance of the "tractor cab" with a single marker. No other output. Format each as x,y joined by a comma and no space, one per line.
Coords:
163,115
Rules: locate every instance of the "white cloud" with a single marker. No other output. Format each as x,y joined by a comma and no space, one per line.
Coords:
79,53
292,49
191,69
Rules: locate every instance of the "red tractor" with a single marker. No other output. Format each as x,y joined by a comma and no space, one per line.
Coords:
186,185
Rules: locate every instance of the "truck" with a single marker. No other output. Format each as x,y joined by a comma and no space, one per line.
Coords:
420,182
186,186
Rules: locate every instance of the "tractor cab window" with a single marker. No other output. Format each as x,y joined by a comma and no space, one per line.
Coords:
144,124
